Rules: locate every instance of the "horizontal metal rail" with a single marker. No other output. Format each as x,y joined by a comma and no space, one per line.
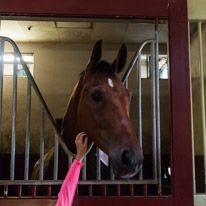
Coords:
81,182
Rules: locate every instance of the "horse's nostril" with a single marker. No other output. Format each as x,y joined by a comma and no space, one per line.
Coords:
127,158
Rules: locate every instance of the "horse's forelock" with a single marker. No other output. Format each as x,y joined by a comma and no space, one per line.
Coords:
102,66
105,67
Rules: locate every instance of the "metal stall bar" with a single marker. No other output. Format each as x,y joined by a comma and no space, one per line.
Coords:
28,121
191,103
112,177
202,95
56,157
69,161
81,182
158,110
84,169
126,83
139,102
98,169
139,99
41,177
14,108
1,83
154,137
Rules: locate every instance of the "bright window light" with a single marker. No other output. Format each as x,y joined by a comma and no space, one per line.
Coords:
9,64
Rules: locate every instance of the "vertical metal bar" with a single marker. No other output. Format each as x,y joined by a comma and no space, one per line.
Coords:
145,190
111,173
158,110
69,161
131,187
1,82
41,177
104,190
98,169
56,158
118,190
14,107
126,83
5,191
34,191
139,99
154,138
48,191
84,169
90,190
28,120
191,103
202,94
77,191
19,191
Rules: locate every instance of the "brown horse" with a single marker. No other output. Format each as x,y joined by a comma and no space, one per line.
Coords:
99,105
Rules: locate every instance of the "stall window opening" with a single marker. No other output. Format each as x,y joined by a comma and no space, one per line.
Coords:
9,62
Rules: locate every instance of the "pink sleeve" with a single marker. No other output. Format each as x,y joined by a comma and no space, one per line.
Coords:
66,194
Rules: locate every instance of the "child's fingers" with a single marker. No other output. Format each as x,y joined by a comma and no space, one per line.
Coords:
80,138
80,134
86,141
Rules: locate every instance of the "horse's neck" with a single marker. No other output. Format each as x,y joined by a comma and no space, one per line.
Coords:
69,127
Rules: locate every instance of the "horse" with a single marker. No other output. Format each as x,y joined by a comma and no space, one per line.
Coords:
99,105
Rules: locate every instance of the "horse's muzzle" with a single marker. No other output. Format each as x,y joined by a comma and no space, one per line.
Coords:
127,163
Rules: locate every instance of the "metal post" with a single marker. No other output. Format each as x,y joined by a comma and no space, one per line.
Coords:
154,137
1,82
56,158
158,110
191,103
41,177
202,94
28,121
84,169
139,99
126,83
69,161
98,169
14,107
111,173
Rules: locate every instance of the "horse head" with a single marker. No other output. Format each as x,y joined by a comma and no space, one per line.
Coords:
99,105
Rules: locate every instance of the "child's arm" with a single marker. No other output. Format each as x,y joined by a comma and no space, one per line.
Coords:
66,194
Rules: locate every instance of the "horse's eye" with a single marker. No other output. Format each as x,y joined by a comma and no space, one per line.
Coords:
96,96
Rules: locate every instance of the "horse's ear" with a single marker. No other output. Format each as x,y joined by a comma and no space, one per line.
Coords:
96,55
120,61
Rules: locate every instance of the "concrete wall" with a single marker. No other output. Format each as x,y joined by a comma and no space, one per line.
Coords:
56,70
196,9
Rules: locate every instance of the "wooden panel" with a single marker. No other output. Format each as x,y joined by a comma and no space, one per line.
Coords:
180,104
92,202
82,8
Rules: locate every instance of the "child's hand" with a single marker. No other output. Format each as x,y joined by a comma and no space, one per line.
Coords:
81,145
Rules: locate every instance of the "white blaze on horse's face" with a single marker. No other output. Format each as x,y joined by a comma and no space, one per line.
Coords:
110,82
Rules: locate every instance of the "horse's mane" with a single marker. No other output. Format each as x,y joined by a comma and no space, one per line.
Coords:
103,66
